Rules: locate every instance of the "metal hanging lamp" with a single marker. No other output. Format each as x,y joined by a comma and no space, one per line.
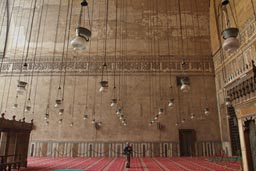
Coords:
80,42
229,33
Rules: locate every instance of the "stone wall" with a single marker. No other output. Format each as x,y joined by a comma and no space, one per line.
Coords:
230,67
145,67
139,103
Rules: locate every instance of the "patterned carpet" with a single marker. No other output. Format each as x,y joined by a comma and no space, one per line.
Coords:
137,164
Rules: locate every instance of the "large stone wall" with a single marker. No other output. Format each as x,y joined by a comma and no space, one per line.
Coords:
144,63
135,96
142,27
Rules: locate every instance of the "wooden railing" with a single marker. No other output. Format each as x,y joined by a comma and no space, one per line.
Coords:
9,162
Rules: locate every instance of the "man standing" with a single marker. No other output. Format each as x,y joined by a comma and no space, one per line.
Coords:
128,152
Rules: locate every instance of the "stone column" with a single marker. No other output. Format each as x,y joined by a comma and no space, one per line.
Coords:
242,143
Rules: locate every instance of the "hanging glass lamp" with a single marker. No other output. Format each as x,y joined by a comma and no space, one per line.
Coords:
71,124
161,111
21,87
113,103
171,103
85,117
61,111
183,120
58,103
80,42
184,86
230,33
103,86
119,111
192,116
206,111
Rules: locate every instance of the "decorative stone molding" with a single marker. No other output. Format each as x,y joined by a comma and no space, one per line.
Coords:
115,149
248,118
82,65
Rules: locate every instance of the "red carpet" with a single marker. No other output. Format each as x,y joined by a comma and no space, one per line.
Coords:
137,164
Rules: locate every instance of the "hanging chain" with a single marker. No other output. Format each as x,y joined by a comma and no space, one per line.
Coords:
35,54
104,66
40,56
63,50
74,88
168,45
7,32
89,59
115,65
26,35
67,51
30,33
54,53
11,76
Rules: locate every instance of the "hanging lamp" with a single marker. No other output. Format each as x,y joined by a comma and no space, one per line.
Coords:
28,105
114,99
82,34
15,105
192,116
113,103
184,80
47,123
229,33
103,86
46,116
183,120
103,83
85,117
58,101
171,103
21,87
60,121
99,123
119,111
61,111
71,124
206,111
161,111
228,101
184,86
121,117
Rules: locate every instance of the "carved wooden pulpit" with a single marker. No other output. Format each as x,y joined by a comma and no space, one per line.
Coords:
14,142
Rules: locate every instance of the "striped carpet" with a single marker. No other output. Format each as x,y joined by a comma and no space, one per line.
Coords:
137,164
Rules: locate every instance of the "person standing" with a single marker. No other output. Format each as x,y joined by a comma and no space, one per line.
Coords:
128,152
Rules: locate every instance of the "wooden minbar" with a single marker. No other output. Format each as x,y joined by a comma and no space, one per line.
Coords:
14,142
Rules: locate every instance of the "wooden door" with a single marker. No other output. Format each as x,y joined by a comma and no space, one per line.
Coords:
250,141
187,142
